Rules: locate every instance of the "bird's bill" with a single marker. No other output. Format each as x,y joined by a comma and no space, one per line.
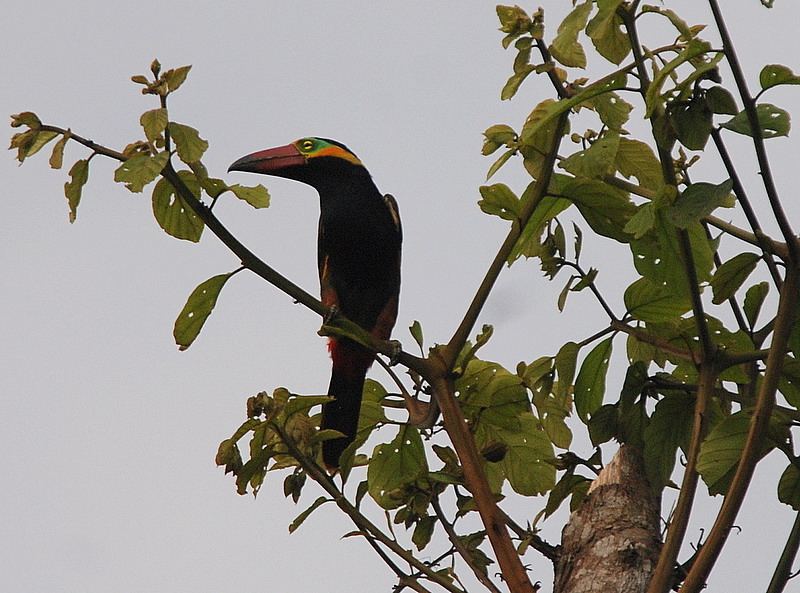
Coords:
267,161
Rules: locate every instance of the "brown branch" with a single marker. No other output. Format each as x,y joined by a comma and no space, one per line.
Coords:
676,530
783,569
514,573
765,402
659,343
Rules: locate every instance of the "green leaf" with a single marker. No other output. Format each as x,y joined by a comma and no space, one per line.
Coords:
416,333
773,120
298,521
789,486
176,77
642,222
569,484
693,49
79,174
396,465
720,452
140,170
566,361
27,119
257,197
731,275
172,212
693,123
188,143
669,428
547,209
612,110
699,200
721,101
654,303
195,312
604,424
753,300
605,208
499,200
30,142
423,531
789,382
590,386
658,254
565,47
637,159
681,25
57,158
500,162
512,85
154,122
774,74
524,464
497,136
597,161
605,30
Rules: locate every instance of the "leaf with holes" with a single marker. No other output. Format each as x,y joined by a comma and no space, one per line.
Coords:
172,212
654,303
774,74
773,121
395,466
197,309
499,200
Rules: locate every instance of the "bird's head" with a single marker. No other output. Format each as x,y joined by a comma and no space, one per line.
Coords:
309,160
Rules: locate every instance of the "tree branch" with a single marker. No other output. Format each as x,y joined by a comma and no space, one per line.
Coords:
676,530
758,137
765,402
783,569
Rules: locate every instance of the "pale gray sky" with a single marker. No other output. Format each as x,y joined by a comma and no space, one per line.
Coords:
107,432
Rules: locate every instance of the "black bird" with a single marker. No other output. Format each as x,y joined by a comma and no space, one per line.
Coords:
358,256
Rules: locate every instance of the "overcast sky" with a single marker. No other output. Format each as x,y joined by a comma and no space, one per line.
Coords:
107,432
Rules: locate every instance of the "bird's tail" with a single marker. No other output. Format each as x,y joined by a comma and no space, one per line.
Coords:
350,364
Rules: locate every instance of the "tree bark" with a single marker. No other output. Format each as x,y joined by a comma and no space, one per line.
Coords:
612,541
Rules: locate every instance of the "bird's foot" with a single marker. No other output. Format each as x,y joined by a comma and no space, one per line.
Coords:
397,349
333,313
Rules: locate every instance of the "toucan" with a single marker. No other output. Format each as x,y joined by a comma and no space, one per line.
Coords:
358,257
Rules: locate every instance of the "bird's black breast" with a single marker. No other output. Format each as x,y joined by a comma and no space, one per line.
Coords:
359,242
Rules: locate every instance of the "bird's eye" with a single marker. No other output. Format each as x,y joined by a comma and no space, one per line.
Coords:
307,145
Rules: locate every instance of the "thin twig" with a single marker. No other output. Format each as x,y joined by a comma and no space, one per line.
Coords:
361,522
757,135
461,548
783,570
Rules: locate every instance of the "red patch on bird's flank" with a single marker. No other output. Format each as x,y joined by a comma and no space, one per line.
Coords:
349,357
